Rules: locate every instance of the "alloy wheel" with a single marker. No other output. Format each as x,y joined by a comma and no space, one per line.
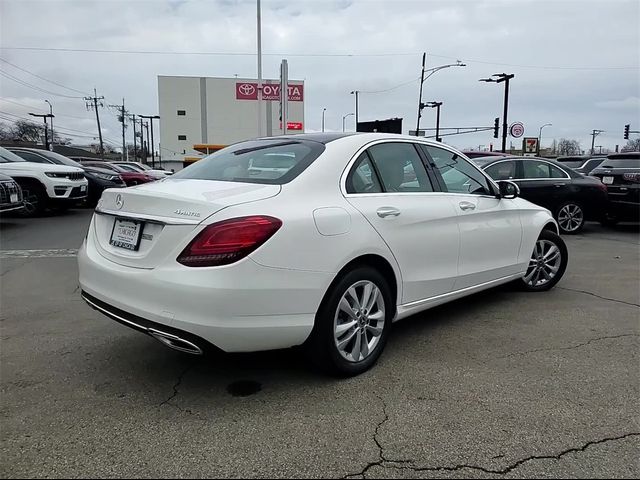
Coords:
544,264
570,217
359,321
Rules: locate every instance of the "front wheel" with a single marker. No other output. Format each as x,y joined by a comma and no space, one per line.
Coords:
548,263
352,323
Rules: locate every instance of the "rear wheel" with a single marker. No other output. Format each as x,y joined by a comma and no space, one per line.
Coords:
547,264
35,199
352,323
570,218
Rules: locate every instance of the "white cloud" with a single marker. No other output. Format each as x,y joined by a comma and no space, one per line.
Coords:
629,103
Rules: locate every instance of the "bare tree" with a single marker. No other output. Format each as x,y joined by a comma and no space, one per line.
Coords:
6,133
568,147
633,145
27,131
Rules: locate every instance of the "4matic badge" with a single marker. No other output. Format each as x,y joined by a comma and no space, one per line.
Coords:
187,213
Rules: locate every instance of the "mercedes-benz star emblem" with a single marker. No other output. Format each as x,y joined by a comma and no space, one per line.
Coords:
119,201
247,89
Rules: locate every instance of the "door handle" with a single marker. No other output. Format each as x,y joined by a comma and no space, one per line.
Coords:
384,212
467,206
559,184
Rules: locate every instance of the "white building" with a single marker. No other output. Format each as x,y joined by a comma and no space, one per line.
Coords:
200,114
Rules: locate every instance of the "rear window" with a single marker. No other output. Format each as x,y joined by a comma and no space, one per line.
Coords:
572,163
622,163
257,161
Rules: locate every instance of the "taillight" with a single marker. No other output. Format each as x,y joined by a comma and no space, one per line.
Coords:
632,177
228,241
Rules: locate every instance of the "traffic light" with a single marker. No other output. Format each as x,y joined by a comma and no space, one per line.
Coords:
626,131
496,127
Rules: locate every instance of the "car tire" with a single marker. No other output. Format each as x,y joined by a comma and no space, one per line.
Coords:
570,217
545,269
332,320
35,199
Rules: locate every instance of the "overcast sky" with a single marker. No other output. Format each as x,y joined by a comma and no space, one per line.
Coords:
576,63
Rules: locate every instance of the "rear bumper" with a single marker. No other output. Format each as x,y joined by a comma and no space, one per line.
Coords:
243,307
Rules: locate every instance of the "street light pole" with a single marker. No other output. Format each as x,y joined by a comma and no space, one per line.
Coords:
424,79
46,126
499,78
540,134
323,110
594,134
356,93
344,118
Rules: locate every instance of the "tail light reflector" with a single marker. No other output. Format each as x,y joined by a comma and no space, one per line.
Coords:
228,241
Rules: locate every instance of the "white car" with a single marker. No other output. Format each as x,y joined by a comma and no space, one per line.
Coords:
44,185
141,168
326,255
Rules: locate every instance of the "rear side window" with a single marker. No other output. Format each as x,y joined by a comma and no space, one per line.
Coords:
535,169
272,162
400,167
363,178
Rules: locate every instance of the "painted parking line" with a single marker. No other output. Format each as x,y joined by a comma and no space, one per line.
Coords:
50,253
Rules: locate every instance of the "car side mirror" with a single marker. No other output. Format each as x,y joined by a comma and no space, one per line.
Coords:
508,189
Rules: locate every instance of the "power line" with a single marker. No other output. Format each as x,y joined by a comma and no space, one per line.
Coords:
41,78
26,84
392,88
39,108
329,55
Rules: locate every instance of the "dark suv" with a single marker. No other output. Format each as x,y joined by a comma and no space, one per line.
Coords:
620,172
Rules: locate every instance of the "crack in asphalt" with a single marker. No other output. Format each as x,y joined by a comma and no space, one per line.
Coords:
382,459
175,388
600,296
517,464
517,354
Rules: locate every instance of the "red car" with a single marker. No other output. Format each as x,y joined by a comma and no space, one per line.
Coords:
130,178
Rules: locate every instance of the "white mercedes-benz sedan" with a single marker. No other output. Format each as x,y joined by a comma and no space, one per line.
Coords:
320,240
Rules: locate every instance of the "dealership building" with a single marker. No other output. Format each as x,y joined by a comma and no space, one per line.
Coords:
203,114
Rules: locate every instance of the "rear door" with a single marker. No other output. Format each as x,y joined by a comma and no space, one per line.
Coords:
543,183
490,227
390,186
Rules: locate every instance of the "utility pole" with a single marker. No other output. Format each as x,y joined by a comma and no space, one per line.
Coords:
135,140
46,126
356,93
146,149
151,118
499,78
122,117
594,134
420,105
51,113
323,110
92,102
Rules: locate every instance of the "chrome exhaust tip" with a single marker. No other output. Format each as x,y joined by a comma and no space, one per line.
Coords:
175,342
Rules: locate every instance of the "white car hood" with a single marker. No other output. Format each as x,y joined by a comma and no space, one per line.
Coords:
16,167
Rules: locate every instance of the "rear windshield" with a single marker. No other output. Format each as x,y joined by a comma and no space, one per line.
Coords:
622,163
257,161
572,163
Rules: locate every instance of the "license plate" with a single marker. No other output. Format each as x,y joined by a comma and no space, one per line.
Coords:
607,180
83,188
126,234
13,198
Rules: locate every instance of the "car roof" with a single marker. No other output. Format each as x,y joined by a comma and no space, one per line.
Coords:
624,156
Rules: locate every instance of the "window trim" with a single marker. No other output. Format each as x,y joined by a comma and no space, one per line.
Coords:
437,188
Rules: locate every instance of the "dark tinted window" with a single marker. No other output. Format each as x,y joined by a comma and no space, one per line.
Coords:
556,172
573,163
182,112
502,170
458,174
626,163
591,164
182,137
363,178
256,161
400,167
31,157
60,159
539,169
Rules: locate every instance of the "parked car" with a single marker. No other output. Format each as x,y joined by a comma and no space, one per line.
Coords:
98,179
570,196
10,194
582,164
327,254
140,167
44,185
476,154
620,172
130,178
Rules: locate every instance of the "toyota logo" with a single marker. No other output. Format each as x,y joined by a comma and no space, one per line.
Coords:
119,201
246,89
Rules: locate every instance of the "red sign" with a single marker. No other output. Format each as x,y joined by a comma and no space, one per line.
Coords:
249,91
293,125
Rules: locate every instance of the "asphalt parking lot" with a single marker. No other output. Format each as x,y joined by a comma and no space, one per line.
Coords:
501,384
